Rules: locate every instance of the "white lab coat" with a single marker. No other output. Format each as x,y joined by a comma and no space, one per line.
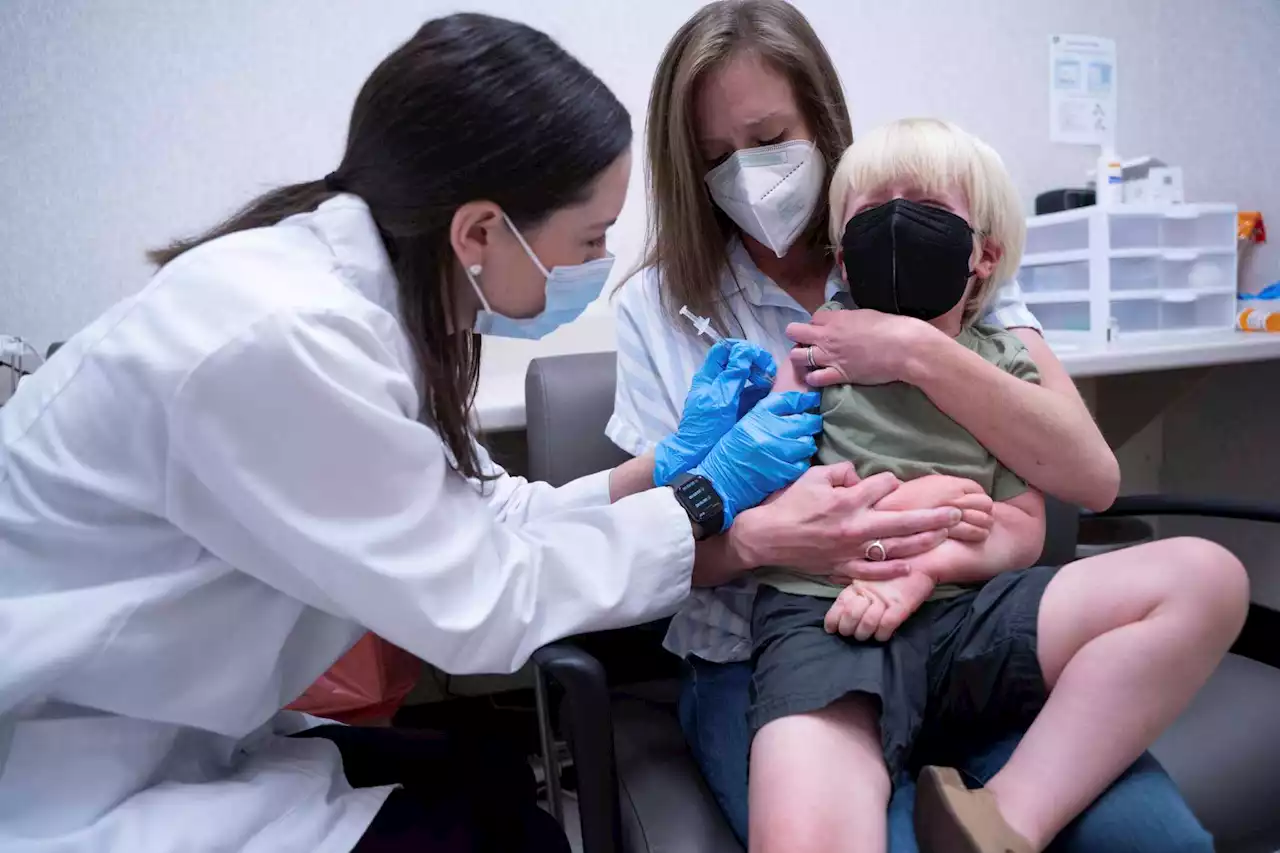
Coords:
206,498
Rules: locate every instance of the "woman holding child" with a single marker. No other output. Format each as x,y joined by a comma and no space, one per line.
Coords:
747,125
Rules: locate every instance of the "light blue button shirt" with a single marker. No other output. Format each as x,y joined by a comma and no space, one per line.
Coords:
657,357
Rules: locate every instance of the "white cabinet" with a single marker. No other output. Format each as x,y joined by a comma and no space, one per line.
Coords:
1095,272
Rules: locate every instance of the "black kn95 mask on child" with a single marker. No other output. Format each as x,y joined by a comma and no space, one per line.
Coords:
903,257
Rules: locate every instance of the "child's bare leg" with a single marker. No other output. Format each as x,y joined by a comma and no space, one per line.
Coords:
818,782
1125,641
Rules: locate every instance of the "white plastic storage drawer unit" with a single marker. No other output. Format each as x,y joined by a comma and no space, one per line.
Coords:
1095,272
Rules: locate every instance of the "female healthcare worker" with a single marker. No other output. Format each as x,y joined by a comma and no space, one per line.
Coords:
212,491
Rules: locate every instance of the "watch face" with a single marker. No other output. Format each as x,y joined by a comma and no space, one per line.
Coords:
701,501
701,498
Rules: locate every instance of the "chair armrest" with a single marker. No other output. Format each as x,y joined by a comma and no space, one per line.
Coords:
1260,638
590,726
1204,507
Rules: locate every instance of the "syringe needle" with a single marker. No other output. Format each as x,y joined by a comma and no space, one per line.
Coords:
702,325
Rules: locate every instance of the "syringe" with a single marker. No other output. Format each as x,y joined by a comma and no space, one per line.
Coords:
702,325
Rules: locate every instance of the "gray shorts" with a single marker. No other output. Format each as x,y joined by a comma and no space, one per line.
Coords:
960,670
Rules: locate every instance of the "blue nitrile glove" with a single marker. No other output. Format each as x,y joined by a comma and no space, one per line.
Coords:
731,380
768,449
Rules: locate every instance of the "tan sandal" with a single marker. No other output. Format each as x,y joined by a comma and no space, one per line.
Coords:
951,818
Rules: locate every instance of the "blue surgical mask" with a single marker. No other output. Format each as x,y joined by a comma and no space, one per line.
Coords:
569,291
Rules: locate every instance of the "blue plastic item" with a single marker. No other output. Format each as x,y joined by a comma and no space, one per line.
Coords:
768,449
1271,291
734,377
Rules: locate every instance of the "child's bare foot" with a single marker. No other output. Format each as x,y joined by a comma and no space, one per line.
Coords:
952,818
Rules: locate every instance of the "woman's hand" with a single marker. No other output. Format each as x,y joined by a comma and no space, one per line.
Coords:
829,515
768,449
858,346
730,381
940,490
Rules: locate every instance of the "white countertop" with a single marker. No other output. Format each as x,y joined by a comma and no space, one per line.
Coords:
1152,352
500,397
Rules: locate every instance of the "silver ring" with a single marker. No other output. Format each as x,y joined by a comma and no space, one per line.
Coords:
809,356
873,548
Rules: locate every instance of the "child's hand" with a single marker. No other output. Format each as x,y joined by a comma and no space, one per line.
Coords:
877,608
938,490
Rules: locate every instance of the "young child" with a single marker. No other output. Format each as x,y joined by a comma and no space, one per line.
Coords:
928,223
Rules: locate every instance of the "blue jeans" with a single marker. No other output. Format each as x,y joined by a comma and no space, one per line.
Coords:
1141,813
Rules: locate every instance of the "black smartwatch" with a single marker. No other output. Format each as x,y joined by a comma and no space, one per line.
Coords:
701,500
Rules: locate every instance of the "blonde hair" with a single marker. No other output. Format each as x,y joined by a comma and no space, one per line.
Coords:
936,156
687,234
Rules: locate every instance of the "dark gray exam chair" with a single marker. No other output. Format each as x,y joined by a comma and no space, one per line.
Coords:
639,790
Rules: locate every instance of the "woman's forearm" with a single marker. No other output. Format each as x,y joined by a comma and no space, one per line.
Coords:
1043,433
725,558
719,559
631,477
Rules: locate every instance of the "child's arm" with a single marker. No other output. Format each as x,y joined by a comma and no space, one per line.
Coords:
1015,542
877,609
790,377
935,490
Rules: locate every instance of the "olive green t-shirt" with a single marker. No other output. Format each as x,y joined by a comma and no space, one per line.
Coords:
897,428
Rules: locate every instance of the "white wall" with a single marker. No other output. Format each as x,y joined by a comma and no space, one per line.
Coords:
124,123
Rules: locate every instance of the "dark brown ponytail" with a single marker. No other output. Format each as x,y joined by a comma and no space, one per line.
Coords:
267,209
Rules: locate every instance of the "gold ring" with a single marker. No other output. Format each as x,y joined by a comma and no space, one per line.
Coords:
876,553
